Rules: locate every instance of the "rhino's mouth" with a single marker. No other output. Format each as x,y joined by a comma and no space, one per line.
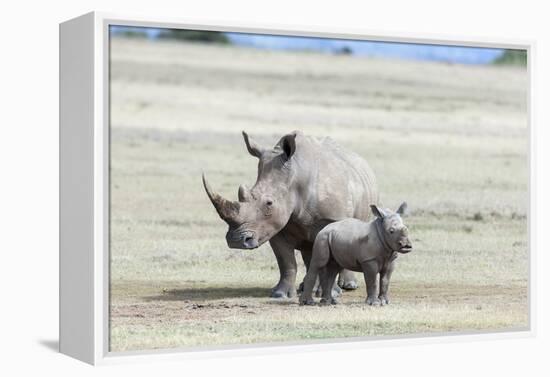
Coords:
250,243
405,249
244,240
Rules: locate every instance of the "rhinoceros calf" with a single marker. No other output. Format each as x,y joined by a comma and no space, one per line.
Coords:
303,184
356,245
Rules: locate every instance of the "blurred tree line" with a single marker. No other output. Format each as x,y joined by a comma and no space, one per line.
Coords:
195,36
132,33
177,34
512,57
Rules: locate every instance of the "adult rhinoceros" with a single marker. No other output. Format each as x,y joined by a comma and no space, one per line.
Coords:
303,184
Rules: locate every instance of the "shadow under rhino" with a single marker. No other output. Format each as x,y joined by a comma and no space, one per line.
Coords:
206,294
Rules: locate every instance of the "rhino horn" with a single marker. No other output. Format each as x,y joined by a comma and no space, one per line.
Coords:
244,194
227,209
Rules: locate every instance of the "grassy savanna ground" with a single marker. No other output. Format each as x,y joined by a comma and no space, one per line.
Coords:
451,140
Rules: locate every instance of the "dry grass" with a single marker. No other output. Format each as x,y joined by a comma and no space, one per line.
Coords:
449,139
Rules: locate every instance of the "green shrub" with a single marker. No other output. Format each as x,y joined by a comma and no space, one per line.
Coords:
512,57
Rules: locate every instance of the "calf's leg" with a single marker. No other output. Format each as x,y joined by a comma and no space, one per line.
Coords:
370,271
306,297
327,282
319,260
307,252
385,276
306,256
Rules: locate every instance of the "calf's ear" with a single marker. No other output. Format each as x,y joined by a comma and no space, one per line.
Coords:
376,211
253,148
402,210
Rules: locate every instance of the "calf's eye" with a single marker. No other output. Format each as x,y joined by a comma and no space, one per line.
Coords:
392,230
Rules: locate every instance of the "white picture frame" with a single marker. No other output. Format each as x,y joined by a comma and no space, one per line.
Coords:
84,187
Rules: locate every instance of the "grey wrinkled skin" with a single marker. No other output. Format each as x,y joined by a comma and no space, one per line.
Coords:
303,184
356,245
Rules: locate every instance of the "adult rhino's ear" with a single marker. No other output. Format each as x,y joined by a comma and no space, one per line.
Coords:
402,210
253,148
378,212
288,143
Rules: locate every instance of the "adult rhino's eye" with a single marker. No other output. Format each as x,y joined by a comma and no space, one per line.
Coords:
392,230
268,209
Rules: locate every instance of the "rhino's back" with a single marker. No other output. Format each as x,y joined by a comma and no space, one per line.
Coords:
345,233
347,241
340,184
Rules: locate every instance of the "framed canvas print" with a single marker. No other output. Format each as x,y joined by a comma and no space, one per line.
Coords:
227,189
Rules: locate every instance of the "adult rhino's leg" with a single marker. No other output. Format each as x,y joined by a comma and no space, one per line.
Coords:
347,280
284,252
